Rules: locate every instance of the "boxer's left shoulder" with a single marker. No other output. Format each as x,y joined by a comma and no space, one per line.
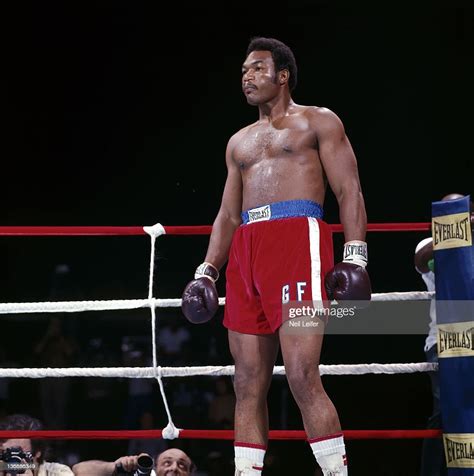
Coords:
323,118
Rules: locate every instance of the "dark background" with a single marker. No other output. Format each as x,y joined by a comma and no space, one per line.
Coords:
108,119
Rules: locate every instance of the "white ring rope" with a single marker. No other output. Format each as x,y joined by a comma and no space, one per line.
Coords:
113,305
210,370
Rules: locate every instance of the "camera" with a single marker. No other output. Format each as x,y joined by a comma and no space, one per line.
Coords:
144,463
13,458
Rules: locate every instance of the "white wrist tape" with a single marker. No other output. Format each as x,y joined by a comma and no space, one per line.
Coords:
355,252
207,270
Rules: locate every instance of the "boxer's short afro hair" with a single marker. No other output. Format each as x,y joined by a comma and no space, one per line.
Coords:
282,56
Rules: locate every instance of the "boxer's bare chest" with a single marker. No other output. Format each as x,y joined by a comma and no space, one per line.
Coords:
286,139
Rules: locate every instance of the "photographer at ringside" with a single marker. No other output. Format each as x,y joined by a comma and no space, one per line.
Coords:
172,462
28,451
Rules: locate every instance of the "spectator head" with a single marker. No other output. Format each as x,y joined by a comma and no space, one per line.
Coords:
451,196
174,462
455,196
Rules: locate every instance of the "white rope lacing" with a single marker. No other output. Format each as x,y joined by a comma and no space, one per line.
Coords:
170,432
209,370
113,305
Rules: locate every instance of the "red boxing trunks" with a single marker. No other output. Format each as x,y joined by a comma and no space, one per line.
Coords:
280,253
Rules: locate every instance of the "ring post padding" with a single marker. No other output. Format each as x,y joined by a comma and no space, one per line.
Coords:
454,279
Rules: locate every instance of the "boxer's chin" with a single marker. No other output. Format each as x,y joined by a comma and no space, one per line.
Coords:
251,101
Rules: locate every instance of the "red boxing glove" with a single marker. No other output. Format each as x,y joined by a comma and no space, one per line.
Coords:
200,300
349,280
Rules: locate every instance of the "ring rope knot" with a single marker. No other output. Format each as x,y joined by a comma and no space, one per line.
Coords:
155,230
157,371
170,432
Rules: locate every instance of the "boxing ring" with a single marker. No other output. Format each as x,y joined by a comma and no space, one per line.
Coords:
157,372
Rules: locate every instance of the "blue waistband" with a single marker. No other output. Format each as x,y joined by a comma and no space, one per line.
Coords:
278,210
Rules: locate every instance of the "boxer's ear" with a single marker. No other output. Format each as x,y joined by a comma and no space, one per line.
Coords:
283,76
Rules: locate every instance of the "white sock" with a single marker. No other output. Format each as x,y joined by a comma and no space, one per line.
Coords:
249,458
330,453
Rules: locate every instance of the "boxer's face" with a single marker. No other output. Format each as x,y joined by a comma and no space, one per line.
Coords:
259,80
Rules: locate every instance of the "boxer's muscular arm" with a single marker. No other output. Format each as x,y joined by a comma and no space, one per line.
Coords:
340,166
228,218
348,280
200,300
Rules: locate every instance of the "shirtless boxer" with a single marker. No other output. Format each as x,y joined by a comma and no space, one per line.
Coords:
270,228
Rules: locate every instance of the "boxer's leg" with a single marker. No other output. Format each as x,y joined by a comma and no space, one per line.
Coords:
301,354
254,357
